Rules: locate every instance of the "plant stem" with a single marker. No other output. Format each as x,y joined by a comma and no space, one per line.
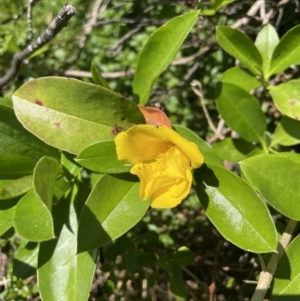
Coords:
266,277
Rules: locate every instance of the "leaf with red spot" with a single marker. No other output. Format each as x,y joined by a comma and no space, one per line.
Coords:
287,98
70,114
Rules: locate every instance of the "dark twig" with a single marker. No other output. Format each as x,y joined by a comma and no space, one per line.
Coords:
62,19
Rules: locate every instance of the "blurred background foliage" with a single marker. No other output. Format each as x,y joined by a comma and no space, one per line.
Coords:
171,254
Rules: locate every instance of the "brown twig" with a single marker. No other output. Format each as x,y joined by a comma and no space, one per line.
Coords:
77,73
90,24
197,89
250,14
61,20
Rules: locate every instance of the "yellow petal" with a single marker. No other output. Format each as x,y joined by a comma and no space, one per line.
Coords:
145,142
141,143
152,179
189,148
176,163
170,198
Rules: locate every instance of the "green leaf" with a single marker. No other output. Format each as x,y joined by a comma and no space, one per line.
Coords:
266,41
241,47
286,52
6,101
206,12
159,51
235,209
233,150
241,111
287,132
102,157
62,185
215,6
70,114
15,140
97,77
274,177
292,156
25,260
177,284
12,188
240,77
113,207
62,273
7,209
13,167
71,167
183,256
287,277
32,220
286,97
210,156
32,217
44,177
218,4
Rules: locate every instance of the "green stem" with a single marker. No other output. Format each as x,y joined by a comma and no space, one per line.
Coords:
266,277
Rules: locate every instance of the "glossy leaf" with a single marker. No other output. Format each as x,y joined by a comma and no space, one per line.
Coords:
70,114
25,260
12,188
32,217
287,277
266,41
102,157
97,77
286,97
32,220
62,273
233,150
287,132
240,77
241,111
274,178
13,167
235,209
287,52
113,207
159,51
292,156
241,47
7,209
210,156
15,140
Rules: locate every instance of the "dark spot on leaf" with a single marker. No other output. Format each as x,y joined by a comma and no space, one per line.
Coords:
293,102
116,130
123,118
57,124
38,102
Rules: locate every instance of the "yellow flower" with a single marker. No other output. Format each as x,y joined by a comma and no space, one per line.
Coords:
162,159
